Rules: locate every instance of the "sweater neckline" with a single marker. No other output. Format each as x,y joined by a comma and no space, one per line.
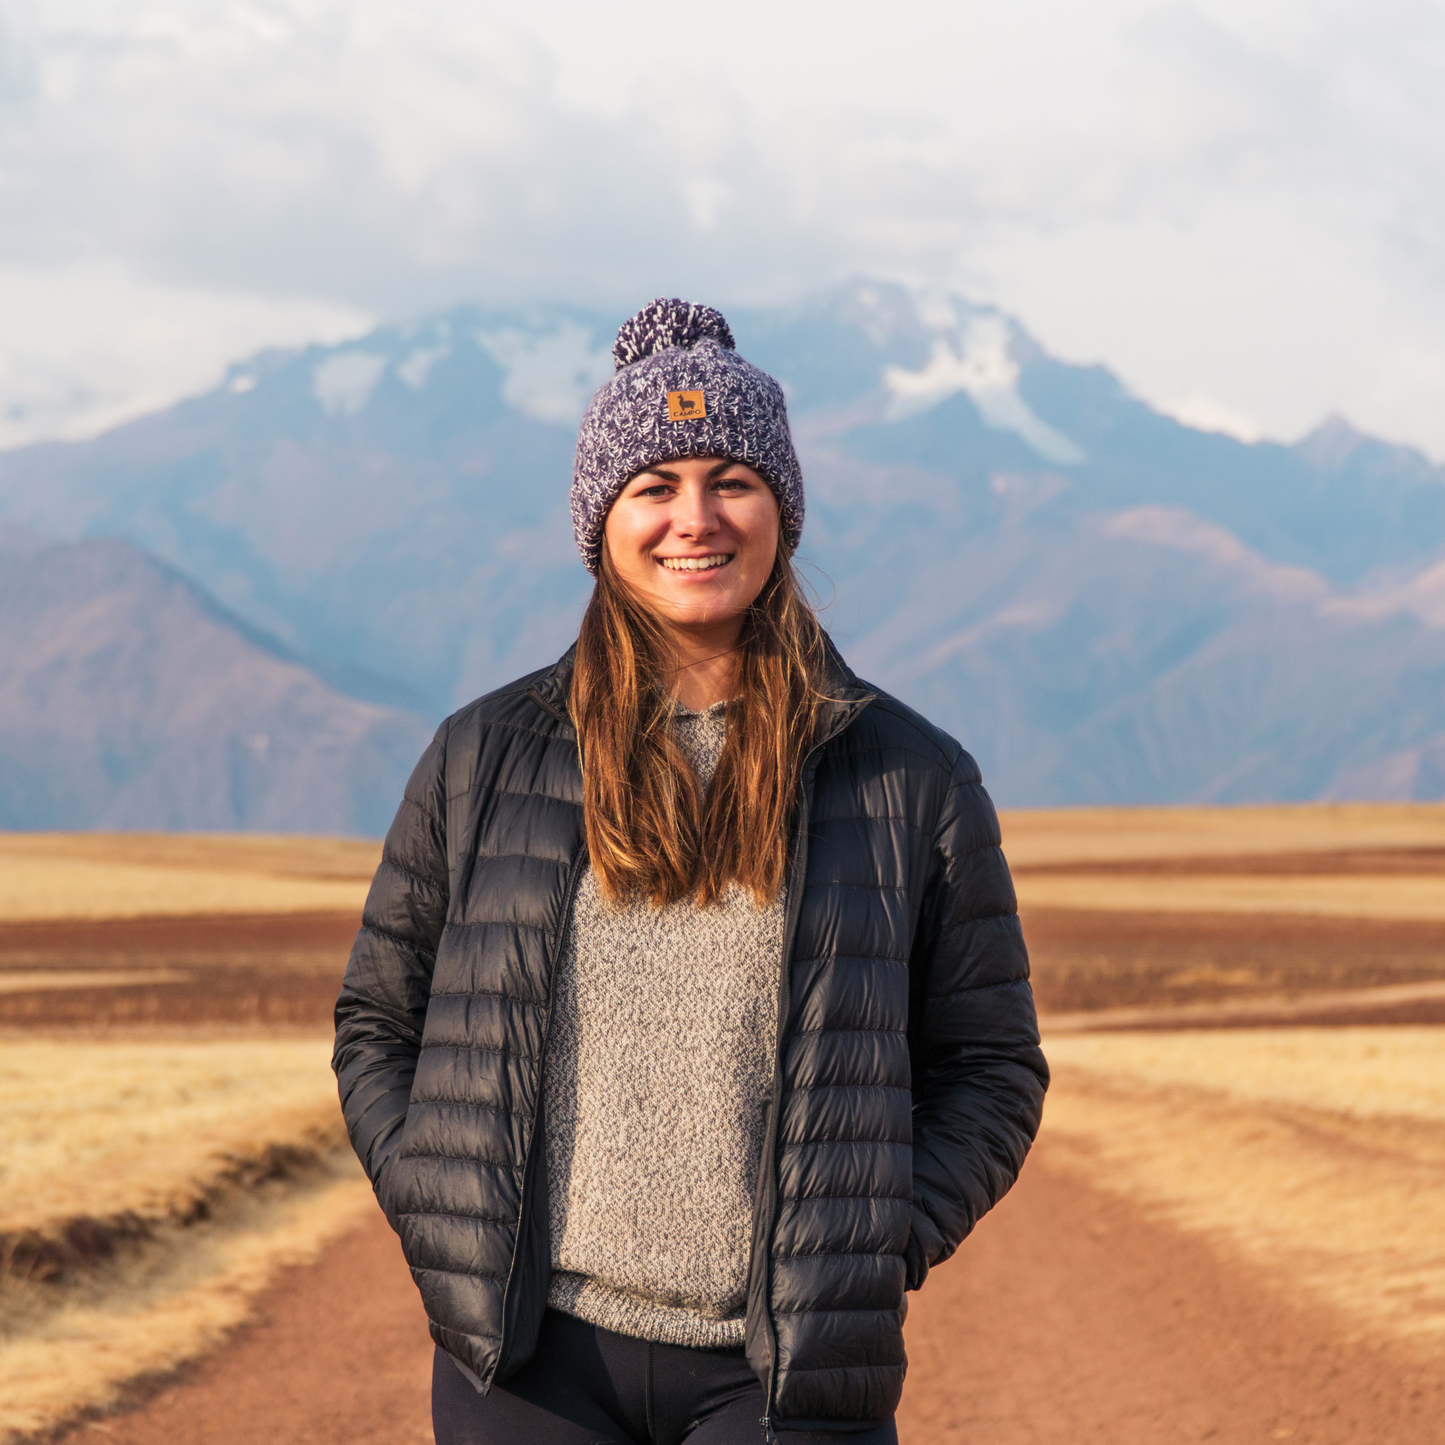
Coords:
681,709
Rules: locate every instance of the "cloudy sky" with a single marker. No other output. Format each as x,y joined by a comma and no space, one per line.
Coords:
1240,207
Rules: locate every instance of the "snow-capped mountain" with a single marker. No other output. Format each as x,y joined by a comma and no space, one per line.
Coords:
1102,603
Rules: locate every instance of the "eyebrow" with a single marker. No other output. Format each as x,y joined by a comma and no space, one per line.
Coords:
667,476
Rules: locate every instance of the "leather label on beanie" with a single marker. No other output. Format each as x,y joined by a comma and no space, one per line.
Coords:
685,406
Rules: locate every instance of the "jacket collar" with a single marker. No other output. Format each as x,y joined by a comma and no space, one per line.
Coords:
847,697
554,686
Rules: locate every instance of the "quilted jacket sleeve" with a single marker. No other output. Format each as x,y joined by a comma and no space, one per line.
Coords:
384,995
978,1073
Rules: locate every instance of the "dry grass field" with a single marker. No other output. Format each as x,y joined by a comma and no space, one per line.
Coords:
61,876
141,1129
148,1189
1316,1155
1087,837
1343,860
164,1003
1162,907
1414,896
174,1137
220,971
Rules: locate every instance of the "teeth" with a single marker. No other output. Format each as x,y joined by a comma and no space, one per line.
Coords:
693,564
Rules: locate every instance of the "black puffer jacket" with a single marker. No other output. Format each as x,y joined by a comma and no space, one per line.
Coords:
909,1080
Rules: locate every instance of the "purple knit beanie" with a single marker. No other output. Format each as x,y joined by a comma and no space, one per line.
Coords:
680,390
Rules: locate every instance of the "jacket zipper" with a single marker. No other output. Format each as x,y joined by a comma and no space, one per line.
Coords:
769,1203
532,1144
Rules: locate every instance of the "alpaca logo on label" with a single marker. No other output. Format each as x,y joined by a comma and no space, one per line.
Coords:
685,406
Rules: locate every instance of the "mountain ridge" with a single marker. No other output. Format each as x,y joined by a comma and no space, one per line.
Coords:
129,698
393,512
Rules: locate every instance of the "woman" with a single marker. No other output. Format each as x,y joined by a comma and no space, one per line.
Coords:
689,1022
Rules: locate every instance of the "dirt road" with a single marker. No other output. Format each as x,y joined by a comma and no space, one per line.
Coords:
1069,1319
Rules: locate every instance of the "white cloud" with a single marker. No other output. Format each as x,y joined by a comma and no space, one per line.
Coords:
92,344
1229,199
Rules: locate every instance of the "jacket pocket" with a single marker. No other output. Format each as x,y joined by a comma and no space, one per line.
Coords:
391,1178
924,1245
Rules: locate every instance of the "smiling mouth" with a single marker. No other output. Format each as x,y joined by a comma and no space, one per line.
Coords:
696,564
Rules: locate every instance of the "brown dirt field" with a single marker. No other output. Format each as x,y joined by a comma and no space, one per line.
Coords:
269,971
1068,1317
103,938
285,971
1368,861
1084,960
1398,1004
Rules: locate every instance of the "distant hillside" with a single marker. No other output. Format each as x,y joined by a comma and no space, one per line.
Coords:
129,699
1103,604
1145,655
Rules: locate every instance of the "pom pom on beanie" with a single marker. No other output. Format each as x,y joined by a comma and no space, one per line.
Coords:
664,323
680,390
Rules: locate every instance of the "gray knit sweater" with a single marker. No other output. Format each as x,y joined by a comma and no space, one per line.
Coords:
659,1061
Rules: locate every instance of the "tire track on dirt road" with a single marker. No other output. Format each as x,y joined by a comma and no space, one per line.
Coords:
1071,1318
1068,1319
335,1351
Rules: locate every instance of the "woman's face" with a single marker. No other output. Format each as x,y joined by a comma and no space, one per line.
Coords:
694,539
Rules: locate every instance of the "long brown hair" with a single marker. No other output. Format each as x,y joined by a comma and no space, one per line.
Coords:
651,830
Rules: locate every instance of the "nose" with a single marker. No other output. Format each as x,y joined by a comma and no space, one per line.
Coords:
695,514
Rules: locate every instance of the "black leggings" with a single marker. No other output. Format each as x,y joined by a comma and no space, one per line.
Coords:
588,1386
